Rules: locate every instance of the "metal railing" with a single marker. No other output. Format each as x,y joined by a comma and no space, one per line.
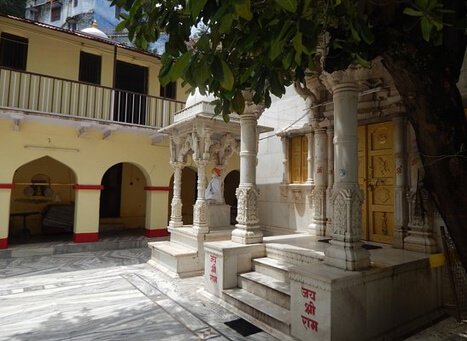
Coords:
35,92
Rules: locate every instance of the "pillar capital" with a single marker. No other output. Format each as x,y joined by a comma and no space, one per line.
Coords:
177,164
345,80
251,108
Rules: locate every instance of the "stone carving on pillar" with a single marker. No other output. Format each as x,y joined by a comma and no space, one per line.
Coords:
400,191
176,212
247,205
330,137
420,234
346,251
420,226
247,230
318,196
224,149
315,93
199,210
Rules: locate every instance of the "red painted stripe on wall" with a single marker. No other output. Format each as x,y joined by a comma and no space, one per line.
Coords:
86,237
3,243
157,188
89,187
163,232
7,186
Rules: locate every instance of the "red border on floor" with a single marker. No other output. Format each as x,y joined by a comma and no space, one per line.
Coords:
86,237
4,243
156,233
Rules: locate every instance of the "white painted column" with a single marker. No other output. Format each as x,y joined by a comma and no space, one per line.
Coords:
285,160
200,225
400,194
346,250
310,157
330,145
176,212
318,219
247,229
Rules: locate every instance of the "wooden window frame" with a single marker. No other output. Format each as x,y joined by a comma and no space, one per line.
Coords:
83,75
11,55
298,159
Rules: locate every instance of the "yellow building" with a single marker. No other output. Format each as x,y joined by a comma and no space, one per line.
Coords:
80,147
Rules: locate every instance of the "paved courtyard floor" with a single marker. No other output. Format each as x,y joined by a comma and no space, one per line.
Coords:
115,295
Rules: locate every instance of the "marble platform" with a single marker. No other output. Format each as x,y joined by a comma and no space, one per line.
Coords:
106,295
61,244
114,295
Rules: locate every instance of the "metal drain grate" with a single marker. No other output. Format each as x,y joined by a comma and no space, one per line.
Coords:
243,327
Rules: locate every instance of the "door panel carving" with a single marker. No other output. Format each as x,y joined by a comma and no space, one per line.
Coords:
376,179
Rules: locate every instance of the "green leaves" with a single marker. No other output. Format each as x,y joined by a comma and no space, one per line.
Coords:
195,7
179,66
243,9
267,45
430,13
288,5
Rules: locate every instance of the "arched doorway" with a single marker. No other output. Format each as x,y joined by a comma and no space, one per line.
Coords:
123,200
231,182
42,202
189,192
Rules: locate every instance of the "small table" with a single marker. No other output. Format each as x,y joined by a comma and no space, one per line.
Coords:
26,232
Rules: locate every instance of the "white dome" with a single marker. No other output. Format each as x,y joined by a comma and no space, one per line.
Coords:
93,30
197,98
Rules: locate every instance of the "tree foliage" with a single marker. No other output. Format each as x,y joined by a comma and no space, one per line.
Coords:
268,45
13,7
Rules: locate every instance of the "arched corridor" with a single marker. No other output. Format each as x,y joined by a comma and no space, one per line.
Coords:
122,199
42,201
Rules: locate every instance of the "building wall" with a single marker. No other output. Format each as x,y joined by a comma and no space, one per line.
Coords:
275,210
61,57
67,10
82,160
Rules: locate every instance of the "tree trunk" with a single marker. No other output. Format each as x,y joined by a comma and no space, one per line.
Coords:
434,107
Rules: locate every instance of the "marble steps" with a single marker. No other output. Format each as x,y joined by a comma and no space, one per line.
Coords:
266,287
259,308
294,255
185,236
183,255
277,269
175,259
264,294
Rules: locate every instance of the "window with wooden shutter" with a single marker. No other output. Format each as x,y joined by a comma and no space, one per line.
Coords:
298,159
13,51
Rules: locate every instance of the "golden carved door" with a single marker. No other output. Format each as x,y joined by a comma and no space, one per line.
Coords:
376,178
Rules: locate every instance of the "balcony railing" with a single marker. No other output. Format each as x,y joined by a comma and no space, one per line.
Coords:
39,93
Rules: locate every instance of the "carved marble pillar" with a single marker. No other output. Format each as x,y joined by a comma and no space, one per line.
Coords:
318,196
346,251
285,160
247,230
310,158
420,226
330,145
176,213
400,191
200,225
